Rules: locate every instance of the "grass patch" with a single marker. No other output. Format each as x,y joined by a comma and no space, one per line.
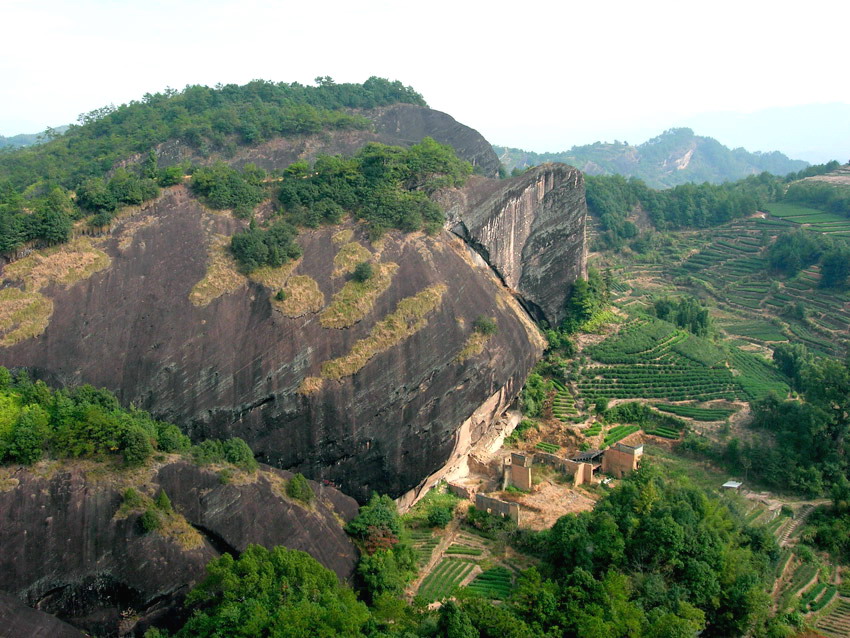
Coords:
474,345
310,385
407,319
23,315
343,236
64,265
356,298
494,584
302,296
222,275
348,256
274,278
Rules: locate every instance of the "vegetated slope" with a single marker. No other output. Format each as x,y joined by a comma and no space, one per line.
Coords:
373,385
677,156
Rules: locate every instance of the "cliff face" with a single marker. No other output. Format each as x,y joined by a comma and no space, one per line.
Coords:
71,549
369,393
530,229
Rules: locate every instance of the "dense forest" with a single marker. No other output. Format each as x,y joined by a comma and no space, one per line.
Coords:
45,188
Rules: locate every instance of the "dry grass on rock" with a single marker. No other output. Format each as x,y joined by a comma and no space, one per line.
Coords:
23,315
474,345
356,299
348,256
407,319
64,265
222,276
310,385
302,297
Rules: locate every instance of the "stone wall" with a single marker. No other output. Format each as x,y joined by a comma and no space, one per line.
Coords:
620,459
496,507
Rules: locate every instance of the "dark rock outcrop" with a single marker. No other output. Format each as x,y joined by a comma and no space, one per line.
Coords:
19,621
530,229
398,125
71,550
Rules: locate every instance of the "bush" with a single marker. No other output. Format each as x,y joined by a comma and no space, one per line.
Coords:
237,452
136,446
149,521
299,488
362,272
206,452
484,325
170,439
131,499
162,502
440,516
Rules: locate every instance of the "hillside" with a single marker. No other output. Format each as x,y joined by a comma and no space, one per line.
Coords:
677,156
372,385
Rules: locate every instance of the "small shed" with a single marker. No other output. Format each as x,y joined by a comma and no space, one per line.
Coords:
732,485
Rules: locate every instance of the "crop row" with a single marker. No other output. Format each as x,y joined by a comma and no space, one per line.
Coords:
464,550
700,414
619,432
447,575
494,584
551,448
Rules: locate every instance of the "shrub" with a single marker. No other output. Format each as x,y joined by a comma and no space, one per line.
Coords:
170,439
131,499
484,325
362,272
299,488
237,452
136,446
149,521
162,502
439,516
206,452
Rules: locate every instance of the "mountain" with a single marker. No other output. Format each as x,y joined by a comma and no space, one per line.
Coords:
381,386
27,139
677,156
817,133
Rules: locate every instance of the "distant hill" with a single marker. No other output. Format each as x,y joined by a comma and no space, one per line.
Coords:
27,139
677,156
816,133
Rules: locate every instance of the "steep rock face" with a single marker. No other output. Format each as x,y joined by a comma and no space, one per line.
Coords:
18,620
530,229
398,125
234,367
70,550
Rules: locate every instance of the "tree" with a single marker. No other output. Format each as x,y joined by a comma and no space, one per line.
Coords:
362,272
454,623
279,592
29,434
378,517
299,488
237,452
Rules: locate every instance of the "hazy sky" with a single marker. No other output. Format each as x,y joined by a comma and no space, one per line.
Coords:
538,75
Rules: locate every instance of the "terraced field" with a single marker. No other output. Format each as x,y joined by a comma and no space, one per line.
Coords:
563,405
731,267
652,359
836,623
444,578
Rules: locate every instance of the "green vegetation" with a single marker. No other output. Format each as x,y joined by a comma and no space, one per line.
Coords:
298,488
36,182
272,246
223,187
444,579
388,186
278,592
698,414
551,448
493,584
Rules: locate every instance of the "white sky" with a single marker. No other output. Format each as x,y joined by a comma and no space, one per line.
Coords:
538,75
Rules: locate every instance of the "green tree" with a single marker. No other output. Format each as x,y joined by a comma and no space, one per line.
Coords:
299,488
279,592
